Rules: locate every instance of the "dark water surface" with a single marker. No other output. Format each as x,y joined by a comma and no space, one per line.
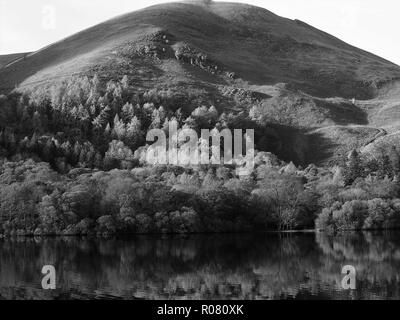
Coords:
267,266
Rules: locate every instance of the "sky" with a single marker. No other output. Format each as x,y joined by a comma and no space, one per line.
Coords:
29,25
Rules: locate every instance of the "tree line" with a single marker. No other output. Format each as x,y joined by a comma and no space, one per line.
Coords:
71,164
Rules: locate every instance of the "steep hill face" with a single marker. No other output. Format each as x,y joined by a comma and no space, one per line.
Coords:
253,43
287,68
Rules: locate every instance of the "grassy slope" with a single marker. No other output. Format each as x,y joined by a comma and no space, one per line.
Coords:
10,58
261,48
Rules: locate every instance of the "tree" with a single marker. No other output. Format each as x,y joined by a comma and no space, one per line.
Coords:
96,83
128,112
37,122
117,153
49,151
119,130
98,161
107,130
385,168
82,157
394,161
33,144
354,168
286,197
379,214
106,225
213,114
26,120
134,133
179,115
77,151
90,157
125,82
351,216
157,120
104,116
50,219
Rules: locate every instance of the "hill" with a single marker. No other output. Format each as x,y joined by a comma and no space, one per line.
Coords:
255,44
236,57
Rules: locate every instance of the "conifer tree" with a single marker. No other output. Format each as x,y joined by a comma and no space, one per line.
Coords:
125,82
37,122
134,133
98,161
394,161
354,168
119,130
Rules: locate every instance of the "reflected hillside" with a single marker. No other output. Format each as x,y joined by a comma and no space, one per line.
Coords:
273,266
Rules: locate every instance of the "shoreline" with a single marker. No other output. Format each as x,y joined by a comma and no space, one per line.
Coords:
132,235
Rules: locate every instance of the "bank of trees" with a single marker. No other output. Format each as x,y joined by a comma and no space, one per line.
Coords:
35,199
83,122
71,164
367,197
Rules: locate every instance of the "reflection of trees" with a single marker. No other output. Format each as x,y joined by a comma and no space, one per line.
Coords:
203,267
376,257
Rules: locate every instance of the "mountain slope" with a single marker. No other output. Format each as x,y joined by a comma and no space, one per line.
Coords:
291,70
8,59
257,45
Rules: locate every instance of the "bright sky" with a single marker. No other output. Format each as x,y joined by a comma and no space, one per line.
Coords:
28,25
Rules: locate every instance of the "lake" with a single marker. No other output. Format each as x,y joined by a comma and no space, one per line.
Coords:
242,266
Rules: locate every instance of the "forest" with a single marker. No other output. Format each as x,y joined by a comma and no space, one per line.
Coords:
71,163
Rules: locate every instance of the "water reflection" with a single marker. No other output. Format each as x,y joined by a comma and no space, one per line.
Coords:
268,266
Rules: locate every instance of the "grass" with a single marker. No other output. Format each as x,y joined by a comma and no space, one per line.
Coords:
10,58
331,144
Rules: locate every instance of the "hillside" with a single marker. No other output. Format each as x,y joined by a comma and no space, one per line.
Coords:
296,75
7,59
258,46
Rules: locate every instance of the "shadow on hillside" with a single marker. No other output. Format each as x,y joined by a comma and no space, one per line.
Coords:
344,113
296,145
320,149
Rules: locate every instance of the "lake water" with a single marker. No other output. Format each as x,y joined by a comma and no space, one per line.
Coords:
266,266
